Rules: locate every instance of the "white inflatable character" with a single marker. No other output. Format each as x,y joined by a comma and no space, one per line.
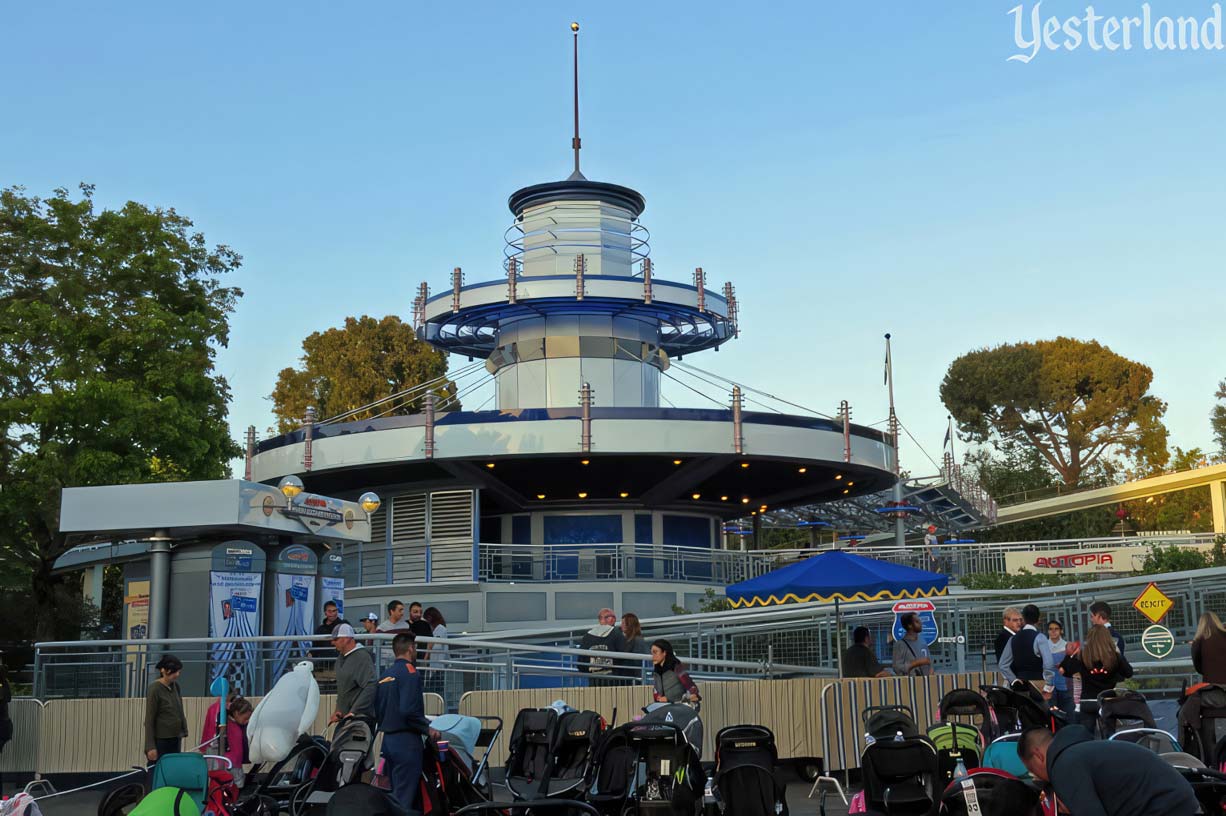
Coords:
284,714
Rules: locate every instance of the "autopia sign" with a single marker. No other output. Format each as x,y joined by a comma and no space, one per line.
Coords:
1115,559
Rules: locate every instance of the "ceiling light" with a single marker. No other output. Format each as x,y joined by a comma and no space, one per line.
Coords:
583,494
540,495
802,470
489,464
723,498
745,500
838,476
585,461
676,461
851,484
845,492
744,464
624,494
696,496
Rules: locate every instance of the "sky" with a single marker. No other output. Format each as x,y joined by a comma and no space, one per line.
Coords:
854,169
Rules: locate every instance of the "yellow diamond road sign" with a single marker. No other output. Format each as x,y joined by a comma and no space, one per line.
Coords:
1153,603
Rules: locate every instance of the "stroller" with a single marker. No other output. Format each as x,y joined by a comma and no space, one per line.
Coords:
988,792
1202,723
901,776
270,786
885,722
745,779
652,766
1209,787
956,743
1016,709
349,756
534,739
1001,755
1120,709
967,703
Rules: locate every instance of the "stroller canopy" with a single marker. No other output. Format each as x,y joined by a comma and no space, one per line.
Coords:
682,716
837,576
460,732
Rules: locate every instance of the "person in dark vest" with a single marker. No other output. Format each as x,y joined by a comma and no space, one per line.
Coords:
1012,622
1027,655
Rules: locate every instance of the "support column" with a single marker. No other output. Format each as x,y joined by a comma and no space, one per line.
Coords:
91,585
159,589
1217,493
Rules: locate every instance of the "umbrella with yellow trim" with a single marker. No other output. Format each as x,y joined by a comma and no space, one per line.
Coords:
840,577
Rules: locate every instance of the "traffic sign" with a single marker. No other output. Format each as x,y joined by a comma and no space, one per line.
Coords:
1157,641
927,615
1153,603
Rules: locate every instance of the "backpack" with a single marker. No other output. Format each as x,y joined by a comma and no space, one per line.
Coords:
166,802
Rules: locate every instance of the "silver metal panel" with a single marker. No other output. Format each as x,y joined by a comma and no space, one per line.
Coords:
627,383
533,384
599,374
563,379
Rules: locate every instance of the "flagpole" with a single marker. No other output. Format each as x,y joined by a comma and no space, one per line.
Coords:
953,454
899,536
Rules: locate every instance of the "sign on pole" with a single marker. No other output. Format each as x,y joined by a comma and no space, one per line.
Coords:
1157,641
1153,603
927,615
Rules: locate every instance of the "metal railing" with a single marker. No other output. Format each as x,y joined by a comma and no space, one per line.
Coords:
123,668
621,562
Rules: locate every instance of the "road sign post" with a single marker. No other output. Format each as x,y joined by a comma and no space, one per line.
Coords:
1153,603
927,615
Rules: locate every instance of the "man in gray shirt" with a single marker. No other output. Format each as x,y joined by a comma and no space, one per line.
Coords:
355,676
911,654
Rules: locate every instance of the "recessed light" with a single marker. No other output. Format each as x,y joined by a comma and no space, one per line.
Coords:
585,461
723,498
744,464
838,476
676,461
489,464
745,500
582,495
802,470
851,484
540,495
696,496
845,492
624,494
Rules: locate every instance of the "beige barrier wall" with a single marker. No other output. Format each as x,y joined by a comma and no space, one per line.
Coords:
21,753
101,736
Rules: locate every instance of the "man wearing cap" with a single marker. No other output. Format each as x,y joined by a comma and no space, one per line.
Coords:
355,676
402,719
370,623
321,654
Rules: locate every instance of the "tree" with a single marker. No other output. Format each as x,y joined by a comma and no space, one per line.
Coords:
367,360
1217,419
109,324
1189,509
1075,402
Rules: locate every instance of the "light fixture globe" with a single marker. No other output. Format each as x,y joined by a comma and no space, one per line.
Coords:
370,501
290,486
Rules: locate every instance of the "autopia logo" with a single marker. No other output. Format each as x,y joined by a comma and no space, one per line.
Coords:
1033,32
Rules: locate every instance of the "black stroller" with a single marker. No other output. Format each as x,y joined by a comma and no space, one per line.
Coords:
989,792
349,756
960,705
534,739
652,766
901,775
269,787
886,722
1016,709
745,772
1202,723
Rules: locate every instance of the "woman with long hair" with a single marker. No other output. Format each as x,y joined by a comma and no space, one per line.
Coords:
165,722
1100,666
436,653
238,714
632,634
671,681
1209,649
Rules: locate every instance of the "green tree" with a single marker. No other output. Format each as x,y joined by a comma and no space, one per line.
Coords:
1172,559
1074,402
1189,509
109,324
709,602
1217,419
347,368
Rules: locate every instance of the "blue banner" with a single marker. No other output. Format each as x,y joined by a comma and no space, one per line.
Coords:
234,612
293,614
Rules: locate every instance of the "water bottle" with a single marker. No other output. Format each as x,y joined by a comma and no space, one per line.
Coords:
898,736
960,770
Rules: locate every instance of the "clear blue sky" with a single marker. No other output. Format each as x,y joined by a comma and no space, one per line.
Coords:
854,169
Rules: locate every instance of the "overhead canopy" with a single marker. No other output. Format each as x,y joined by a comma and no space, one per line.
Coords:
837,576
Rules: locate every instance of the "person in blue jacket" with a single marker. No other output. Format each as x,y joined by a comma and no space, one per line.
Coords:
401,713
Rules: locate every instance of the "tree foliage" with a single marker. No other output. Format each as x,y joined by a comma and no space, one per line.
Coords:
709,602
1075,402
347,368
1217,419
1189,509
109,323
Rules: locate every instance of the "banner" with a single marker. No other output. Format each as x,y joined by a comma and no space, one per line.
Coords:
294,614
234,612
334,590
136,603
1114,559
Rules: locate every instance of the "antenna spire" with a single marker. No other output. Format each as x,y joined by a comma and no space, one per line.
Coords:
574,27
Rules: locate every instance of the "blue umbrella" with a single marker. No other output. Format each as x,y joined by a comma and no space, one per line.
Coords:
840,577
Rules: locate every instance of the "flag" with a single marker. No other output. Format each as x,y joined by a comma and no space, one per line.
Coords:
948,435
885,375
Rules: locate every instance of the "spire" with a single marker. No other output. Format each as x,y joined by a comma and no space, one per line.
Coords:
575,141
